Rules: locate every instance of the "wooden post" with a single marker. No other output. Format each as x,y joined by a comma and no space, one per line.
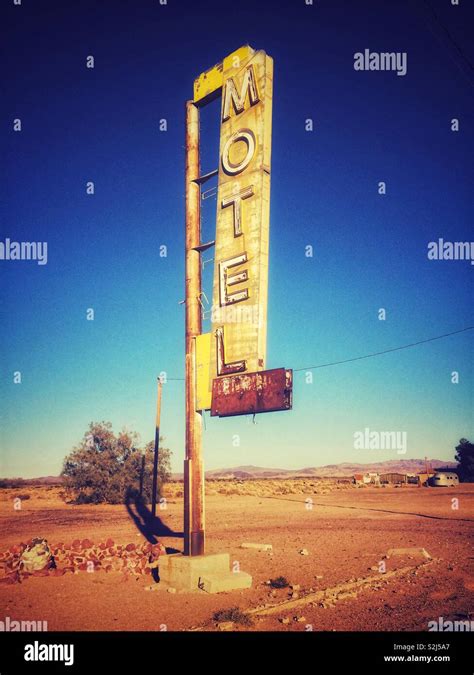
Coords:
194,538
157,446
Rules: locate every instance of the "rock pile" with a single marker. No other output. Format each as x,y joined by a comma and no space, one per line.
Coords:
38,558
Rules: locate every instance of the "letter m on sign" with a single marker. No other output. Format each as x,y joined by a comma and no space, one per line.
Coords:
231,96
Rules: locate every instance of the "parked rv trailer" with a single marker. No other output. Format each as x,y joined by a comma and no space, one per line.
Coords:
444,479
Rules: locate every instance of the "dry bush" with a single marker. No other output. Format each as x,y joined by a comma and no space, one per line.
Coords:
233,614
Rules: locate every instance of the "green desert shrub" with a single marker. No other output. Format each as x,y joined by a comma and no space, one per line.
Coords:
109,468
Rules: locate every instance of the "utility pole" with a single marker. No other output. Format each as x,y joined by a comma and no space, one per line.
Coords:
157,446
194,538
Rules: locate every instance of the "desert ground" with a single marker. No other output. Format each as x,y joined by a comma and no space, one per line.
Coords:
328,541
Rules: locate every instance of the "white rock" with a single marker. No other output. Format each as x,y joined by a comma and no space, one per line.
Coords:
258,547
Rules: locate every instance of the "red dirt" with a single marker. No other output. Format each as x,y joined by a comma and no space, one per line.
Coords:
345,533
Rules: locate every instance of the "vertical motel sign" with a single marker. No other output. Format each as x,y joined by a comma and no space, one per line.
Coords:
230,360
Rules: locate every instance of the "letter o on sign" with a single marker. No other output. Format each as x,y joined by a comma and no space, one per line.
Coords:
249,139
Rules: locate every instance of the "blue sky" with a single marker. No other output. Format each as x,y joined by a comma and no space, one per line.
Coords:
370,250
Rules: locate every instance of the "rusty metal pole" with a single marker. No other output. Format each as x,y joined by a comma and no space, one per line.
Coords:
193,465
157,449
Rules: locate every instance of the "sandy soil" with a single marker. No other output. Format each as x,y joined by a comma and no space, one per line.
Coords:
346,533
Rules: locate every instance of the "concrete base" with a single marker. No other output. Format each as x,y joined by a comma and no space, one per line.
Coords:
208,573
230,581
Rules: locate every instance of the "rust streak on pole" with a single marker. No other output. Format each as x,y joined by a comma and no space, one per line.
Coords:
193,466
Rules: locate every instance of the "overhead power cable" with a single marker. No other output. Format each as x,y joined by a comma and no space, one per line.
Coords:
386,351
372,354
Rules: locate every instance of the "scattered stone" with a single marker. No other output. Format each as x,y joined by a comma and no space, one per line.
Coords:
304,551
285,619
299,619
171,590
409,551
37,556
258,547
295,587
350,594
225,581
226,625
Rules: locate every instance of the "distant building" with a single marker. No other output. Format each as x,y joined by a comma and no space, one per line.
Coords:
424,478
372,478
368,478
393,478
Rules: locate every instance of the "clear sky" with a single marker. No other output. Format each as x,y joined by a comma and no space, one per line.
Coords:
370,250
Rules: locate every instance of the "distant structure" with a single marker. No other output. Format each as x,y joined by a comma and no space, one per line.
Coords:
369,478
425,476
393,478
389,478
444,478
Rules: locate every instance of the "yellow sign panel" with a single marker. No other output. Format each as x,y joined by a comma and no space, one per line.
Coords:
203,365
209,84
237,342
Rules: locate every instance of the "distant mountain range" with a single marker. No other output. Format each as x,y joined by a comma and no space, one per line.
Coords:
252,472
41,480
329,470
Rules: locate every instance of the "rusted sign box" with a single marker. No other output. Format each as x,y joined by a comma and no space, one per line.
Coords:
248,393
